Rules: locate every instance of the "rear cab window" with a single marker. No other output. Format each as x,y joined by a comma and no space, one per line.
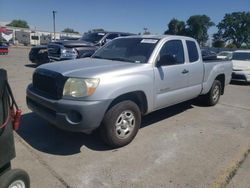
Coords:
192,51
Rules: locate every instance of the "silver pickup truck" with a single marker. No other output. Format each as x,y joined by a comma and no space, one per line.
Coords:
125,79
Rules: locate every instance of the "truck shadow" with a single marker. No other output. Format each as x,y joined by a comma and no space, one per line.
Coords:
46,138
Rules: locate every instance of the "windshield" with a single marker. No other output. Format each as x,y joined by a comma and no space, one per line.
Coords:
135,50
93,37
243,56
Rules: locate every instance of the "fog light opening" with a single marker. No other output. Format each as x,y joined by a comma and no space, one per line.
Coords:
74,117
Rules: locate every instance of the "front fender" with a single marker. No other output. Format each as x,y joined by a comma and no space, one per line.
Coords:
111,88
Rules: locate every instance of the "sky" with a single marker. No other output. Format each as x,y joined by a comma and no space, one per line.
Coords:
115,15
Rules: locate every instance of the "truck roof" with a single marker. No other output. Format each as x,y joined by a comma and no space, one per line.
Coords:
160,36
248,51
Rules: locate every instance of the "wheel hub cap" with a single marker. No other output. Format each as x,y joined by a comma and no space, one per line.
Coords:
17,184
125,124
216,93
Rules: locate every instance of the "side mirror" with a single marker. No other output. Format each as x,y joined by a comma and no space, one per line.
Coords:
166,60
103,42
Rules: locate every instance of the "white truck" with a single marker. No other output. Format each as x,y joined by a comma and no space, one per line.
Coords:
125,79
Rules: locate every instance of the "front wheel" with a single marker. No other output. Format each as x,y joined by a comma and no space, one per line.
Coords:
15,178
213,96
121,124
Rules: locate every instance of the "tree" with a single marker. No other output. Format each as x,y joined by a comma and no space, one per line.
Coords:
69,30
197,27
96,30
235,28
218,42
175,27
146,31
18,23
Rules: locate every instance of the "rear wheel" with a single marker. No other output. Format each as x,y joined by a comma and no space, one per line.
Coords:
213,96
120,124
15,178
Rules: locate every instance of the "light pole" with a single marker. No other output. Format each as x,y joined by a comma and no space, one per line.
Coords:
54,23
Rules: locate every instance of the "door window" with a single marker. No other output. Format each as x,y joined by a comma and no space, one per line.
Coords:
172,53
111,36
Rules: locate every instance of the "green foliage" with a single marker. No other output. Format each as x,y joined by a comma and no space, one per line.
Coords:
146,33
235,28
175,27
18,23
231,45
69,30
96,30
197,27
218,42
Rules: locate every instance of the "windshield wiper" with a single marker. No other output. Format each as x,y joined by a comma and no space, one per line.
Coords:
121,59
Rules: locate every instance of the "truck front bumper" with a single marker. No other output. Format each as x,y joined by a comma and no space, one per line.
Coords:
70,115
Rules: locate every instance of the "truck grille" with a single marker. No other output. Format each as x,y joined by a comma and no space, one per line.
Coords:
49,83
54,51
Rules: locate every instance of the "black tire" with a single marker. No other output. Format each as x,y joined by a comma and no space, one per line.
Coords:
213,96
117,121
17,176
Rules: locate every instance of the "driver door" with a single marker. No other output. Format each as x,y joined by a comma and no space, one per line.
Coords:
171,76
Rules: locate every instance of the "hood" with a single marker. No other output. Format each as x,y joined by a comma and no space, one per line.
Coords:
73,43
89,67
241,65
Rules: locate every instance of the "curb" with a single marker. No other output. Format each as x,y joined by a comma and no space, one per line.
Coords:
225,175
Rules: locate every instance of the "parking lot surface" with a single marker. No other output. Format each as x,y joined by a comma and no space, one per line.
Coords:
186,145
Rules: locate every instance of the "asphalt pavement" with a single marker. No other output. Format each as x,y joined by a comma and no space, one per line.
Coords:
186,145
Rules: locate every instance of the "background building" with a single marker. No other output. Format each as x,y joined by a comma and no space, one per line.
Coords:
22,36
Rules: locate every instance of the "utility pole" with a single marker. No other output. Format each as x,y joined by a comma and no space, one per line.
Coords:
54,23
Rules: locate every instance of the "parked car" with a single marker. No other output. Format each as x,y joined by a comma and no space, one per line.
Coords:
39,54
125,79
84,47
225,55
241,65
4,50
208,54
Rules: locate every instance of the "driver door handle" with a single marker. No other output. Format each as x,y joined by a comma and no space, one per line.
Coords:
185,71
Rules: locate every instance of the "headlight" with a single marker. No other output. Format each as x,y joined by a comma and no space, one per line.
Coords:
77,87
69,53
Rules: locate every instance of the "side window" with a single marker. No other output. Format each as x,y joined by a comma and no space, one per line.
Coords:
192,51
172,53
111,36
124,35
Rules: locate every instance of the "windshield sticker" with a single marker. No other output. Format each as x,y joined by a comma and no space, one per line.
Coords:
151,41
101,34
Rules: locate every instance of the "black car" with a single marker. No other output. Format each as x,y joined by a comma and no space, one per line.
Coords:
208,54
72,49
39,54
84,47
